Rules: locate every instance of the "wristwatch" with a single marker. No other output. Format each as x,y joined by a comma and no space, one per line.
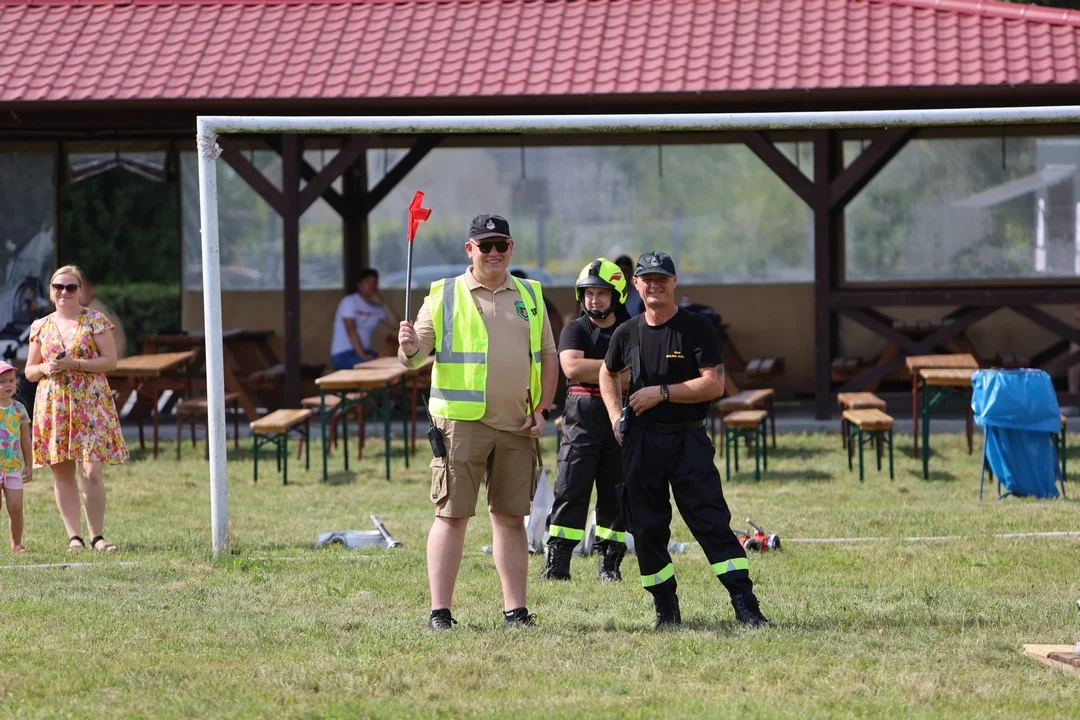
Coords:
664,393
546,413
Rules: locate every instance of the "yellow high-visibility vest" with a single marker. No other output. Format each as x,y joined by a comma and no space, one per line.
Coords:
459,376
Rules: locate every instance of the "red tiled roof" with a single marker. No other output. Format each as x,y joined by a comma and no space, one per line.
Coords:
64,50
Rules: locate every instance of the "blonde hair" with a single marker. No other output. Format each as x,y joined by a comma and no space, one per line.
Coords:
69,270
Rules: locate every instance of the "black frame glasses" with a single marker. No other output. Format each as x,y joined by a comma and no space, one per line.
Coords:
72,288
500,245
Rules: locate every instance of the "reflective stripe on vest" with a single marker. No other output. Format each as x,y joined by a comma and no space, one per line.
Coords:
726,566
603,533
459,376
558,531
665,574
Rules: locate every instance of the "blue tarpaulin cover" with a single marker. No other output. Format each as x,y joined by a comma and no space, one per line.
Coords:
1019,412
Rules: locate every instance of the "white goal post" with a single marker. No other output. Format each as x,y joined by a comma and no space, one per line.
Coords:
210,127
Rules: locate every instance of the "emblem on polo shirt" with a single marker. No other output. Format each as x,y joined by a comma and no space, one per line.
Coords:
521,311
490,225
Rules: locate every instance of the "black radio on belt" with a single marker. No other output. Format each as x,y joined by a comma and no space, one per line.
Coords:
434,434
624,419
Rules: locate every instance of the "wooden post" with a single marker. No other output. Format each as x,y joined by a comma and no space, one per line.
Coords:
291,151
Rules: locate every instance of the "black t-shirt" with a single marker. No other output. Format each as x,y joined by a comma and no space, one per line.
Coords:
585,335
669,354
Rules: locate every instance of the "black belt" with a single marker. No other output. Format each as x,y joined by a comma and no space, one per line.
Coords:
662,427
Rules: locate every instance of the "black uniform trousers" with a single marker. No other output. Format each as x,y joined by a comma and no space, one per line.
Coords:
653,461
589,454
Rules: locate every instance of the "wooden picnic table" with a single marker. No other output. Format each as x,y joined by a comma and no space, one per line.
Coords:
247,353
353,388
916,363
416,379
938,386
148,376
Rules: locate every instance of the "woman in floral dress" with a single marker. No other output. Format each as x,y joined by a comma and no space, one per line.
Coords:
75,421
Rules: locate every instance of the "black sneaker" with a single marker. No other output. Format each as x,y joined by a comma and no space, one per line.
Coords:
440,620
558,562
610,560
747,611
519,618
668,616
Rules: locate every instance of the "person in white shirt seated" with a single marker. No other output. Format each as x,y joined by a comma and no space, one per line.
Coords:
357,317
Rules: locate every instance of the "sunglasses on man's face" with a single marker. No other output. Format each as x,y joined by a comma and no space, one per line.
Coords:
72,288
500,245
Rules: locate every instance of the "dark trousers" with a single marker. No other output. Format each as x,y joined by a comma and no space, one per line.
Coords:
581,465
683,461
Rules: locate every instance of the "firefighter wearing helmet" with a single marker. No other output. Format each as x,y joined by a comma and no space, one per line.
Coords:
589,454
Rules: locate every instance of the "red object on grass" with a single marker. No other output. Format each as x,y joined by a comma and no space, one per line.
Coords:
417,214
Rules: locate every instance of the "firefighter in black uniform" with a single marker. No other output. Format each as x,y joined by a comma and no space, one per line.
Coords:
675,373
589,451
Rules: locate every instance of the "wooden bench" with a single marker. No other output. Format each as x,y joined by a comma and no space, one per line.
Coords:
274,430
856,401
846,368
873,426
313,403
748,424
760,399
197,409
761,371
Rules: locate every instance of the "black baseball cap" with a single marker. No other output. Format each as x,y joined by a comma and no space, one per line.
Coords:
655,263
489,226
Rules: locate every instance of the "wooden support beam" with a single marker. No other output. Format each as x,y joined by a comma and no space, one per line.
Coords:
291,154
251,175
859,173
1062,366
983,296
355,226
828,234
873,375
886,331
1047,321
332,197
353,150
403,167
784,169
1049,353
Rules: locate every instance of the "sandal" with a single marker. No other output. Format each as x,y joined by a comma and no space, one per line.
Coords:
100,544
76,548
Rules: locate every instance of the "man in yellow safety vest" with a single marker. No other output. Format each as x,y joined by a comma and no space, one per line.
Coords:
494,350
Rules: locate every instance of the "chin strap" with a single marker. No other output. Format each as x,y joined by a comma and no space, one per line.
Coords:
597,315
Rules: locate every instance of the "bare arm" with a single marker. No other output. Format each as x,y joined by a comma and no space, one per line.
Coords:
549,378
611,392
27,451
35,369
706,388
106,359
578,368
354,337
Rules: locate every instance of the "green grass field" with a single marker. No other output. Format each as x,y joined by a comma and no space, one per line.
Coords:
280,629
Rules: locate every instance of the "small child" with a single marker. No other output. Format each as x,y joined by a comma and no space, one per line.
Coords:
16,466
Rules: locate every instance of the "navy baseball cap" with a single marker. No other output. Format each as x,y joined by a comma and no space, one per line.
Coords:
489,226
655,263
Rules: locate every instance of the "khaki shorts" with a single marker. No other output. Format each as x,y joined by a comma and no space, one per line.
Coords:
476,454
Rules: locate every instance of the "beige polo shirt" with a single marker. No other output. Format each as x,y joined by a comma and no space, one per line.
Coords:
508,360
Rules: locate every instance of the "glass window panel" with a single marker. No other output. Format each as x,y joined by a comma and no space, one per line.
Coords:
968,209
27,245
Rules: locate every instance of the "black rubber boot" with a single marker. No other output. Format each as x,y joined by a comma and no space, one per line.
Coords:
611,557
440,620
667,612
747,611
558,561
